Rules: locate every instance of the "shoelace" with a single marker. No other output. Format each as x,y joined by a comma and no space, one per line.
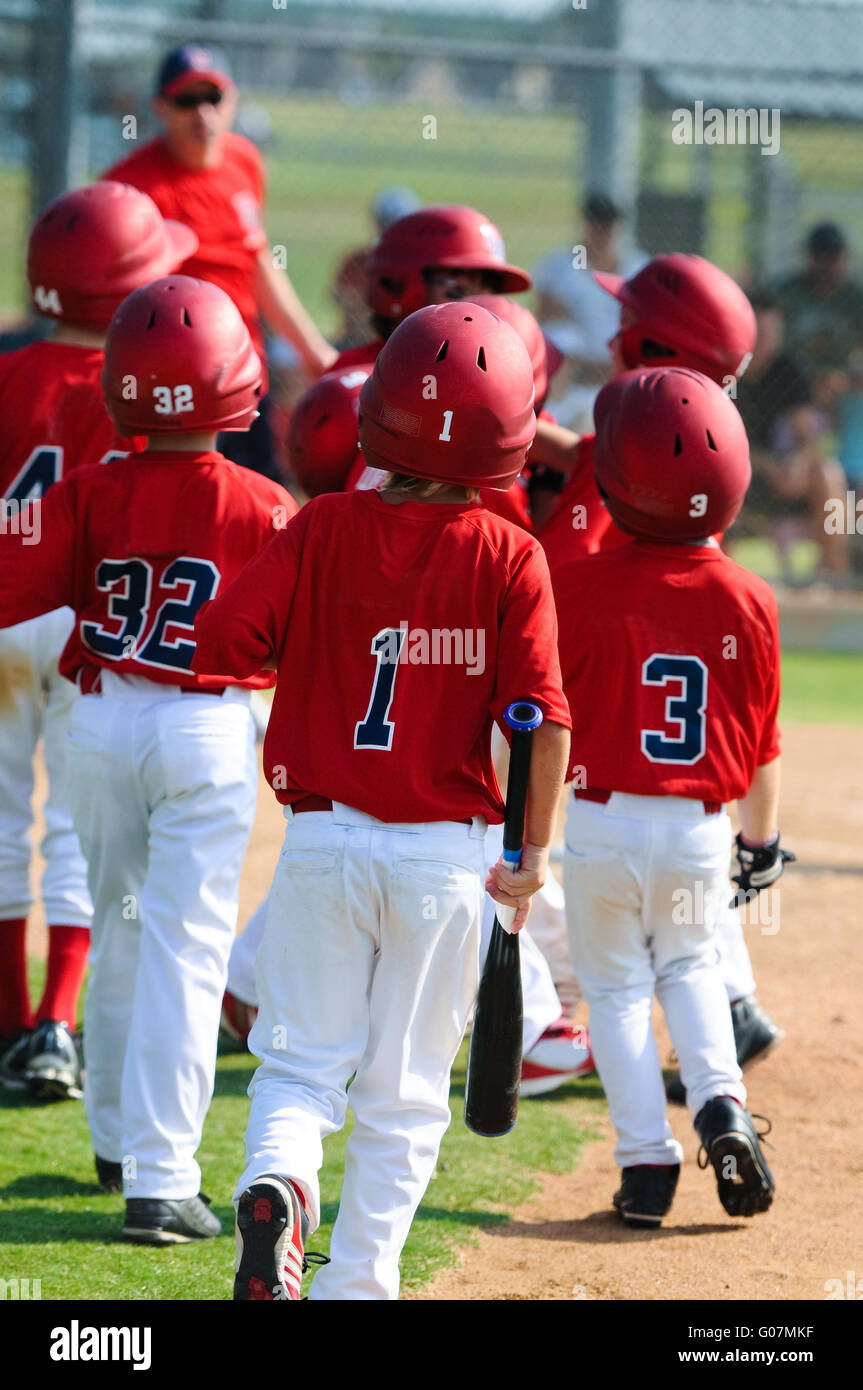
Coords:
312,1257
761,1133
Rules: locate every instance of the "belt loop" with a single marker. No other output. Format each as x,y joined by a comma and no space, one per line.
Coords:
288,813
478,828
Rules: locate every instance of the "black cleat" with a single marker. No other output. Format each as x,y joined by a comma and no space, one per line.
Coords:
755,1033
731,1144
14,1053
166,1221
109,1173
53,1069
645,1194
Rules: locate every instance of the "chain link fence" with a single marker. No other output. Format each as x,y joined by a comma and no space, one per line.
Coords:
731,128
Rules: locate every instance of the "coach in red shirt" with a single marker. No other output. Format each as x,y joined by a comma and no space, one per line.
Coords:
201,173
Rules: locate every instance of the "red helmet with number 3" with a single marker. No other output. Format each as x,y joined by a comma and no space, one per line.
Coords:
179,359
451,399
449,237
688,313
671,454
323,434
92,247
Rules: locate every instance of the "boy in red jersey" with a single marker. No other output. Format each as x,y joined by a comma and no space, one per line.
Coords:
379,748
162,772
670,660
86,252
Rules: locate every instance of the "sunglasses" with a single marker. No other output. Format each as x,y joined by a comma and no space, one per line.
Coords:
188,101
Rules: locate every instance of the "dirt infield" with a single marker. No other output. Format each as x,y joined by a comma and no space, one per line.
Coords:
567,1242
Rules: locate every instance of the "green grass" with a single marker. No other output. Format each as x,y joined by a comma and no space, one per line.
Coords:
56,1225
822,687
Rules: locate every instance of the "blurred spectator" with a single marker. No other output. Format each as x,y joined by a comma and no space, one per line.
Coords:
792,475
392,203
823,306
576,315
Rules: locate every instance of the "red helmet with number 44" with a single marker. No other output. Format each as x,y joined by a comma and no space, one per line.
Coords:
450,399
323,434
93,246
671,454
179,359
686,312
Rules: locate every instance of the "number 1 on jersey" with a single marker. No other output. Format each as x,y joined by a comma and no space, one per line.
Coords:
376,731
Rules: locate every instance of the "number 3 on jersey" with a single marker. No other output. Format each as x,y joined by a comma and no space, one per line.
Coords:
685,708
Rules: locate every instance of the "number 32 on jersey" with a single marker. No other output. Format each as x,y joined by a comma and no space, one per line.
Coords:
685,709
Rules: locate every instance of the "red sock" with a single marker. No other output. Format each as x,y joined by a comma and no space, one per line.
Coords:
67,961
14,999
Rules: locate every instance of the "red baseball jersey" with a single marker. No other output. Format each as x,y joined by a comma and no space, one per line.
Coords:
385,699
579,524
222,203
52,417
135,548
670,661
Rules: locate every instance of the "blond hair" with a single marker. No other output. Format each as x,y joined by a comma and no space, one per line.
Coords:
423,488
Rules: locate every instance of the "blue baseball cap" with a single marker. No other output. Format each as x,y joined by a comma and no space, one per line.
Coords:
192,63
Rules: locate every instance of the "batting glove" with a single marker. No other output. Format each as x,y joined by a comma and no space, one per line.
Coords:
760,865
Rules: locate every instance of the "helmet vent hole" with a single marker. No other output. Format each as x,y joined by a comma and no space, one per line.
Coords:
468,319
442,350
71,223
480,359
685,400
710,441
152,320
678,447
186,320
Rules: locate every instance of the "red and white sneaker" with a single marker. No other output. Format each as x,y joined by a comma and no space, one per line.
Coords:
271,1232
562,1054
237,1020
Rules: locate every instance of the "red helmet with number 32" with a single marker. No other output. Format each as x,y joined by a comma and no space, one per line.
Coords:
323,434
671,454
447,237
179,359
450,399
687,313
93,246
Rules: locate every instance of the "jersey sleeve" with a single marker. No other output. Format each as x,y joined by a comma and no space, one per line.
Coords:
528,665
243,629
37,556
769,743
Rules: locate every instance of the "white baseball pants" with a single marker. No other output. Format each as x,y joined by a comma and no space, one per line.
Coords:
36,700
369,964
542,1006
644,877
163,793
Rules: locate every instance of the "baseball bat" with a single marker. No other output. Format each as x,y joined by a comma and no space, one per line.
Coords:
494,1057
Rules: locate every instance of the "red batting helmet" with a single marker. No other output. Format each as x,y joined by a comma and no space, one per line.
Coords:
451,398
179,359
323,433
671,454
688,313
452,236
527,328
92,247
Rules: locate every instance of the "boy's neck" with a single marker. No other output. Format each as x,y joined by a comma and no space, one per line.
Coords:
456,495
73,335
203,442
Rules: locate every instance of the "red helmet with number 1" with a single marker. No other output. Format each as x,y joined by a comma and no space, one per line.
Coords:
93,246
686,313
447,237
179,359
323,434
671,454
450,399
